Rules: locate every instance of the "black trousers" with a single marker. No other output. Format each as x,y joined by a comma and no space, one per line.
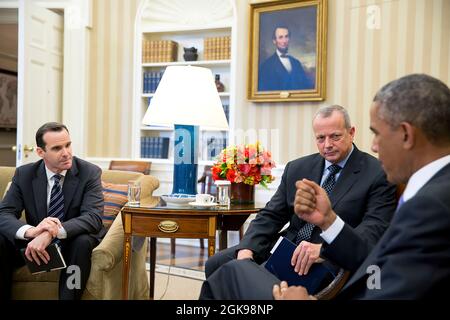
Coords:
239,280
10,259
77,253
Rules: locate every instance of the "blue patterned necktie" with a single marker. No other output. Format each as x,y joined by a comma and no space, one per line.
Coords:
304,233
56,206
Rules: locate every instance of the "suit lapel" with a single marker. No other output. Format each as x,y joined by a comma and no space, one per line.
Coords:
317,170
348,177
39,184
280,67
70,185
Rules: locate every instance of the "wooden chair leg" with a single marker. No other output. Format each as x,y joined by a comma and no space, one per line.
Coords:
241,232
202,243
172,247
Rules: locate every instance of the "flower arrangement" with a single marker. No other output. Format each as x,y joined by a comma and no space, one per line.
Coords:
249,164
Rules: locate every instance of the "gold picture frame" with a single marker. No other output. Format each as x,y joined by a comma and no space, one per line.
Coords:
287,35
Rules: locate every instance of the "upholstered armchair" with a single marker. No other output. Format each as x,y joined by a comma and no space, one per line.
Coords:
105,280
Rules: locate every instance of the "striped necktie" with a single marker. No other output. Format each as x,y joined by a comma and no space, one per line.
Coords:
304,233
56,206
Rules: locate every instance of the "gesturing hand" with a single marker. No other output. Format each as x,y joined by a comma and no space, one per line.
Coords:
245,254
283,292
312,204
304,256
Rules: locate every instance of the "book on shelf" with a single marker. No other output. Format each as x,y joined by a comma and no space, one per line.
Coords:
159,51
226,110
151,81
217,48
56,261
279,264
155,147
214,146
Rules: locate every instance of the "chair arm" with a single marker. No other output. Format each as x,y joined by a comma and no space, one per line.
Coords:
334,287
110,250
148,185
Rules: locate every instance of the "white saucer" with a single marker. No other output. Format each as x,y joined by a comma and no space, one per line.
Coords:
177,200
203,205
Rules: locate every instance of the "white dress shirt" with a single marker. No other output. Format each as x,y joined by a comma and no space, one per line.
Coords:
285,61
62,234
415,183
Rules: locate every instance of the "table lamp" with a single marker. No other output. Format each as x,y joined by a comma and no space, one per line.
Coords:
187,98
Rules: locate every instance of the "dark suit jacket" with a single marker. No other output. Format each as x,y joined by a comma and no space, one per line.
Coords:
414,253
83,199
274,76
362,197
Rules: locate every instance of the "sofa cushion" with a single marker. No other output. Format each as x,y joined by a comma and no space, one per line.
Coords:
7,188
22,274
115,197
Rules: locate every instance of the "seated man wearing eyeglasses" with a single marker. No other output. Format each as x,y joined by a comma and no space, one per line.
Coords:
359,193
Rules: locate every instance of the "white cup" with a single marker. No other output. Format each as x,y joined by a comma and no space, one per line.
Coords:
204,198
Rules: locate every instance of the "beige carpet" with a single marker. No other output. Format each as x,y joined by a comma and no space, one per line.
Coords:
180,284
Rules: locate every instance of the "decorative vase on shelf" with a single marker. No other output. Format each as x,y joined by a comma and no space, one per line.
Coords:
242,193
190,54
219,85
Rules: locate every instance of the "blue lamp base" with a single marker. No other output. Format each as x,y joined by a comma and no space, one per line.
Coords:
185,159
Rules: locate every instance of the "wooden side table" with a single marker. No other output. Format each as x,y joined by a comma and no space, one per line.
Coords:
164,222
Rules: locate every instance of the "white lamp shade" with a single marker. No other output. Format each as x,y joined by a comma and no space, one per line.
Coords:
186,95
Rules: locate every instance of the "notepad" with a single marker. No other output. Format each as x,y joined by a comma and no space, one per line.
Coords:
56,261
279,264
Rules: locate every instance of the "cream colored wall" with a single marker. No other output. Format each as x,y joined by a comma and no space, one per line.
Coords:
110,78
413,36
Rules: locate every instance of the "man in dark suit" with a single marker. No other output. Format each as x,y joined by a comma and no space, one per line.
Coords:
361,196
282,71
63,201
410,119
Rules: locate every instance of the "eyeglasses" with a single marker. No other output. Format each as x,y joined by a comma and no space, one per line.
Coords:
333,137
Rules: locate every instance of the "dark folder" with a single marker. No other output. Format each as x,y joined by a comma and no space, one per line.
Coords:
279,264
56,261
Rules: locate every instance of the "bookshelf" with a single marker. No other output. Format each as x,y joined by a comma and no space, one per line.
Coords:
185,33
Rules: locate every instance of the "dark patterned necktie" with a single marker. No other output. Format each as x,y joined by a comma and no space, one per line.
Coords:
304,233
56,206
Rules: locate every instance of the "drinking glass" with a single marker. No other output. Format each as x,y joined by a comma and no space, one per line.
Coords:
134,194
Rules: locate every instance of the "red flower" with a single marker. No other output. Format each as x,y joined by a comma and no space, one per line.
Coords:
249,164
231,175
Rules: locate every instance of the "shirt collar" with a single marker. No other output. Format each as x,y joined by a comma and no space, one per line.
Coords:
342,163
50,173
423,175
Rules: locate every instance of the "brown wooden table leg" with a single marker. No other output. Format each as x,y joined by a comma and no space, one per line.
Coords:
152,267
223,239
172,247
212,221
211,247
127,257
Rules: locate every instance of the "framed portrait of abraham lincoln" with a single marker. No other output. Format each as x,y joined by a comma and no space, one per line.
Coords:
287,58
